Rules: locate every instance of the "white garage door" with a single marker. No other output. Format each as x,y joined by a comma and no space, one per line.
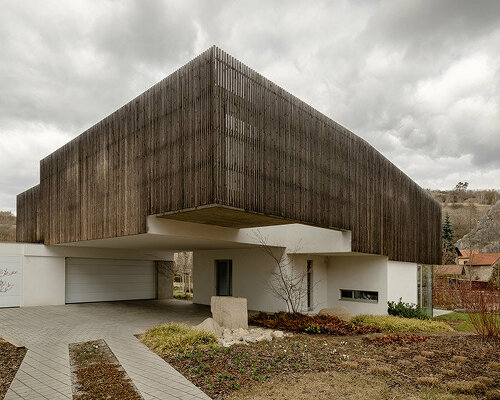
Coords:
90,279
10,281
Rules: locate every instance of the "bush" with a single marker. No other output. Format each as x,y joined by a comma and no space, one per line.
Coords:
390,323
177,337
323,324
406,310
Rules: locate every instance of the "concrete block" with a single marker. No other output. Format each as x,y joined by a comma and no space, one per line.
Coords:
340,312
230,312
210,325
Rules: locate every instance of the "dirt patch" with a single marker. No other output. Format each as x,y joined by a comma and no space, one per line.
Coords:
219,372
339,385
97,374
11,358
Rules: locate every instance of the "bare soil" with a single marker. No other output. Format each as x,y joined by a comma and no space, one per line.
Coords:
438,363
11,358
97,374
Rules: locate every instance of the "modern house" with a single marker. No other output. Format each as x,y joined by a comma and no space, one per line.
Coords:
218,160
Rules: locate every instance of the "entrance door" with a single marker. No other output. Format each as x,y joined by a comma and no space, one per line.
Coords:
224,271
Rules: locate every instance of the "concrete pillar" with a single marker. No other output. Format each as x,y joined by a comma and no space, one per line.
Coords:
165,273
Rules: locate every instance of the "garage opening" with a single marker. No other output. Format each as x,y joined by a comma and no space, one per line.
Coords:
94,279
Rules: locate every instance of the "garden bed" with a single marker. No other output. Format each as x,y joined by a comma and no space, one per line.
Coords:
446,362
310,324
11,358
97,374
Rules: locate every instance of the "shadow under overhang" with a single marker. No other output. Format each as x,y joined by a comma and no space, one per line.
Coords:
228,217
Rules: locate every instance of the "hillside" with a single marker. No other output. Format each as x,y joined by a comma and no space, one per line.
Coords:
7,226
465,207
485,236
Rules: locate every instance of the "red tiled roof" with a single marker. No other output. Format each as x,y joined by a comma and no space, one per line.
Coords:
484,259
448,269
466,253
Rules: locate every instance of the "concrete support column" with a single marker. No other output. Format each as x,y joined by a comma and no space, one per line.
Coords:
165,273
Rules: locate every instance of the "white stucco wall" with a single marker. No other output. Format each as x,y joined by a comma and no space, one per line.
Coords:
44,268
358,273
402,281
252,270
43,281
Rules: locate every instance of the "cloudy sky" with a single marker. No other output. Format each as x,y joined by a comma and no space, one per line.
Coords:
419,80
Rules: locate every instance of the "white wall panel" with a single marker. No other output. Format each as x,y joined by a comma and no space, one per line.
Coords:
10,280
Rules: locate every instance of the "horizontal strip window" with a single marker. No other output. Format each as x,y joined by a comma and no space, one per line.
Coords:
359,295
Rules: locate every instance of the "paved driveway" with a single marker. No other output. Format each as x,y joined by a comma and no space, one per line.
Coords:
47,331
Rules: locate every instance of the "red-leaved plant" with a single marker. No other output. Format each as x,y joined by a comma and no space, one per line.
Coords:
296,322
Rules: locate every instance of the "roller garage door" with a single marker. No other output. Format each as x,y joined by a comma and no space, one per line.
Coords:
91,279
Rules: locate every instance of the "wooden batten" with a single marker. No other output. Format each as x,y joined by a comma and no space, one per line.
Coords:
217,133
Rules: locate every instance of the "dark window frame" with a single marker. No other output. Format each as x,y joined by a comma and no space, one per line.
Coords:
229,264
362,296
309,271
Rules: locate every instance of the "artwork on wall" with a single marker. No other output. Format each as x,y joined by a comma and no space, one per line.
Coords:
5,285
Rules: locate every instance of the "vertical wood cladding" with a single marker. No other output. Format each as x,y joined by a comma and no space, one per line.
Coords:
28,224
151,155
217,132
278,156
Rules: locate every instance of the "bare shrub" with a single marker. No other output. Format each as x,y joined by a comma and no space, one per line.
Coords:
483,307
419,359
493,394
494,365
380,370
482,304
286,283
465,387
486,381
428,380
449,372
350,364
459,359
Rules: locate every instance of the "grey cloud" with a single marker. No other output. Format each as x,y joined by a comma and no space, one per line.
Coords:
386,70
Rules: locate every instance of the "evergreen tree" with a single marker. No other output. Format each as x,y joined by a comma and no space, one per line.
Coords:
448,246
495,277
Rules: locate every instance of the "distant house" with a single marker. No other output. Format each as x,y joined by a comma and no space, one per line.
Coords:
464,255
449,271
480,266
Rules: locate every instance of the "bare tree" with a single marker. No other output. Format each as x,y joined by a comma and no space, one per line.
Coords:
472,243
183,268
7,227
286,282
5,286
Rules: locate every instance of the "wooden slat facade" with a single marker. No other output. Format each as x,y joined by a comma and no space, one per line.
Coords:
215,132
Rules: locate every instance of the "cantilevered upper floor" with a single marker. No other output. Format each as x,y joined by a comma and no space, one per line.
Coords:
217,143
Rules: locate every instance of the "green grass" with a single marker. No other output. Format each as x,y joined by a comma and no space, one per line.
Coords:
459,321
180,295
389,323
177,338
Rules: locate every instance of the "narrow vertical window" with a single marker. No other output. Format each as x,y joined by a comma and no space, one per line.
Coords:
309,284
